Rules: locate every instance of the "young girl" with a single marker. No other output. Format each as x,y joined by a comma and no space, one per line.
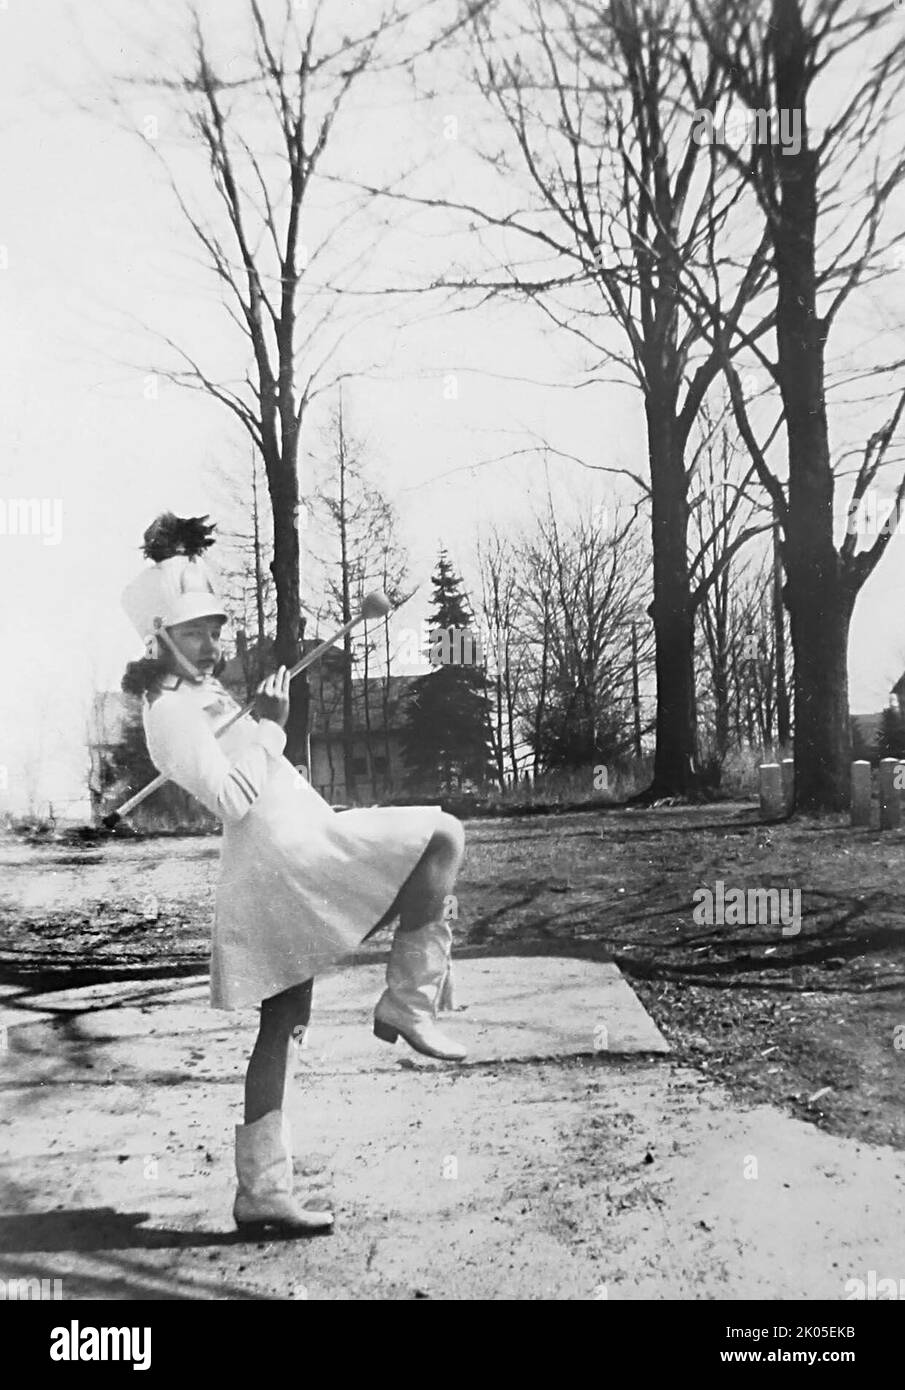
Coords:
300,885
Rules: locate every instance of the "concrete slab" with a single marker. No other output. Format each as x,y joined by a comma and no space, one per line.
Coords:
508,1009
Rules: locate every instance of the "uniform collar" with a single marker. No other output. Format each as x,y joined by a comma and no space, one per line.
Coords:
209,686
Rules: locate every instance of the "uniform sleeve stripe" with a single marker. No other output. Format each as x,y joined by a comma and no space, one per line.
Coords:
247,781
247,784
244,786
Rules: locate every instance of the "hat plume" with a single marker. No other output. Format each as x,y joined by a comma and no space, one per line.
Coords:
170,535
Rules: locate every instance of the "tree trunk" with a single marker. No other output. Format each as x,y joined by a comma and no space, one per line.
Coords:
510,721
369,743
820,607
498,747
675,757
783,720
259,571
737,693
636,694
820,626
242,654
388,776
284,495
541,698
348,732
721,694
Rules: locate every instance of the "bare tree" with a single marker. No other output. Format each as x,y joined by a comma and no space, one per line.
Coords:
751,645
390,572
725,506
498,608
822,198
265,125
362,551
245,538
593,100
580,585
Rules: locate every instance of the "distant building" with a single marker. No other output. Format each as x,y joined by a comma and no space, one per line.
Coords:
111,713
377,722
865,728
898,691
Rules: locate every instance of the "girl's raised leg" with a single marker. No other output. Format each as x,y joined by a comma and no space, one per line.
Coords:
419,955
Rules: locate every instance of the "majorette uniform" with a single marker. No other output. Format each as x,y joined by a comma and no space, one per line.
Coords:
300,884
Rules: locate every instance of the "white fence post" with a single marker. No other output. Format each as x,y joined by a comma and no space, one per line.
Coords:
890,810
788,783
771,793
861,793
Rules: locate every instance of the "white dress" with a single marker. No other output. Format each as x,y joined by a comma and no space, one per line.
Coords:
300,884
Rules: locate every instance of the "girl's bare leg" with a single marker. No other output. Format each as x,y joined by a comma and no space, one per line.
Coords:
269,1065
422,897
418,968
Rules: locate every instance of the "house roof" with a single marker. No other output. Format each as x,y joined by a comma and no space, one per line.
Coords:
325,681
327,704
867,726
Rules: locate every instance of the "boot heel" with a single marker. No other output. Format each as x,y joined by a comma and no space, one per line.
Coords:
253,1228
384,1031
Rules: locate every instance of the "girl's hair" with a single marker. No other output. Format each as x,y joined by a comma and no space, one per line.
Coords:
142,677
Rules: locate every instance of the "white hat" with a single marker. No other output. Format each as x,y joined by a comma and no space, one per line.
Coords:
179,586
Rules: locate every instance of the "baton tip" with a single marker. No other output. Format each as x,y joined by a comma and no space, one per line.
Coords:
375,605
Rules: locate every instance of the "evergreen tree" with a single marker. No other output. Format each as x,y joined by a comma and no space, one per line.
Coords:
446,736
891,733
125,767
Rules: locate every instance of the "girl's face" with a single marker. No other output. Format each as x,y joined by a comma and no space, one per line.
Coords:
199,643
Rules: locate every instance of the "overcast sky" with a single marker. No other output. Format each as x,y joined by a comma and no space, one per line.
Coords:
96,256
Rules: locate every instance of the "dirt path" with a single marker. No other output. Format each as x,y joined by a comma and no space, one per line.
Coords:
576,1180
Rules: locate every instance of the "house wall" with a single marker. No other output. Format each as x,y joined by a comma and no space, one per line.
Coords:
332,786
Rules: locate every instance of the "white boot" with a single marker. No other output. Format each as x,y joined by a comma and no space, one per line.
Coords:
264,1169
417,967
